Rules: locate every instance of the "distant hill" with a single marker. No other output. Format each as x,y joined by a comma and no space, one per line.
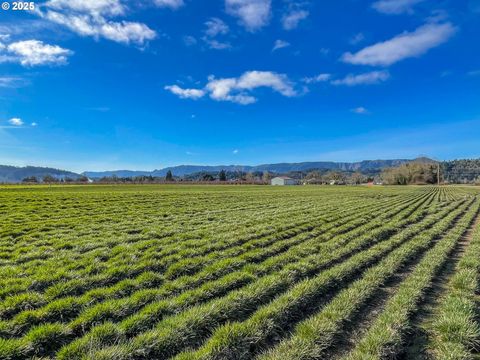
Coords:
182,170
13,174
119,173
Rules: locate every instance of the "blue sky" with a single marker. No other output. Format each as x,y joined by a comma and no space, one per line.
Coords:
115,84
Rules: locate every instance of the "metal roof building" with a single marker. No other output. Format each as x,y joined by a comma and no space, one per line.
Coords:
283,180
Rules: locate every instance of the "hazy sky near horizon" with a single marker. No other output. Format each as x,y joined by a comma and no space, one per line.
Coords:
123,84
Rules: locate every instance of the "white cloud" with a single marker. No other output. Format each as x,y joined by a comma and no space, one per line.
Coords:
34,53
253,14
235,152
216,26
317,79
403,46
189,40
12,82
291,20
371,78
94,7
395,7
238,90
15,122
172,4
278,82
357,39
217,45
280,44
185,93
221,90
93,18
361,111
34,124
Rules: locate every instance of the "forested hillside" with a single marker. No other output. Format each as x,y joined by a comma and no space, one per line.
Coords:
462,171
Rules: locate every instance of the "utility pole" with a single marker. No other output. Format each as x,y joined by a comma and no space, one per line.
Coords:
438,173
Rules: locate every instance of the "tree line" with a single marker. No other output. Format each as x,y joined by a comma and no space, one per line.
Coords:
447,172
418,172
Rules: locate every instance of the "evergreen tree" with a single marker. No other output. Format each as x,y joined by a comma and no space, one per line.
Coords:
169,176
222,176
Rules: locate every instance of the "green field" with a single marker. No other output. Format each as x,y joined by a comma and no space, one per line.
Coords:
237,272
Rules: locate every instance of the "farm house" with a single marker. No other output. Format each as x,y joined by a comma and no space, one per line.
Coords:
283,180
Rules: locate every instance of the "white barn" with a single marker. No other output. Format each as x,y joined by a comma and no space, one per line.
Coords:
283,180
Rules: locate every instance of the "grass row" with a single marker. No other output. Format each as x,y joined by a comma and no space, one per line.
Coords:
191,327
314,336
385,337
150,251
243,340
72,306
455,333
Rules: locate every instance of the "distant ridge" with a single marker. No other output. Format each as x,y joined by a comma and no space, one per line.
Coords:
13,174
182,170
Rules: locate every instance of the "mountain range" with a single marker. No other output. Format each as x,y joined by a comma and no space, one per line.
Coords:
182,170
12,174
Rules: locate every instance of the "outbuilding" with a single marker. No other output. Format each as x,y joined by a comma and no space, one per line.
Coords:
283,180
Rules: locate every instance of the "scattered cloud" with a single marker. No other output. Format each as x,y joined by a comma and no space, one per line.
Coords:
33,124
324,51
102,109
12,81
217,45
16,122
292,19
357,39
317,79
395,7
185,93
172,4
216,26
33,53
438,16
237,90
280,44
189,40
403,46
93,18
474,73
95,7
370,78
361,111
235,152
252,14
